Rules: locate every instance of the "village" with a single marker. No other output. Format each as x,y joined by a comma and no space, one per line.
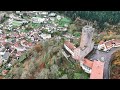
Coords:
15,40
21,31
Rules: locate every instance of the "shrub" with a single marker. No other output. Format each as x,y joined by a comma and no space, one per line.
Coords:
77,34
72,28
32,66
18,72
44,74
24,75
64,77
38,48
23,57
46,57
54,69
77,75
84,76
64,21
55,50
35,54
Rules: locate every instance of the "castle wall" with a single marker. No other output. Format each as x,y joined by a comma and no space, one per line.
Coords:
86,44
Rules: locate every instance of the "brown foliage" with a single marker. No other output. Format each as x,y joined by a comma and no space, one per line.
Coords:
115,71
116,57
116,62
1,77
38,48
42,65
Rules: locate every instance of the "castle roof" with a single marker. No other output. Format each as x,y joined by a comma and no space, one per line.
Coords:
97,70
70,45
88,63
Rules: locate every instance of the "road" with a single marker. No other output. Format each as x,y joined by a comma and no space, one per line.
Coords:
107,57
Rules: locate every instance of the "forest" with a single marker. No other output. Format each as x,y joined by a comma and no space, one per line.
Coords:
100,16
32,42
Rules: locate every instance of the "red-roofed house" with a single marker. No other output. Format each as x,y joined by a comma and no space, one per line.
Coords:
94,68
18,54
97,70
16,45
108,45
3,36
3,43
116,43
105,46
87,65
69,47
24,43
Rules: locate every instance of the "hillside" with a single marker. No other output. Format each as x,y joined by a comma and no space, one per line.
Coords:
32,42
37,40
111,17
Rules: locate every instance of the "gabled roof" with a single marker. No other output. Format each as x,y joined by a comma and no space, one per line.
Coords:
116,41
88,63
30,44
109,44
97,70
3,43
19,53
16,35
3,36
70,45
16,44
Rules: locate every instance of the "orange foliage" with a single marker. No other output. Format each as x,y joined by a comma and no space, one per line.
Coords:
116,62
116,58
38,48
110,32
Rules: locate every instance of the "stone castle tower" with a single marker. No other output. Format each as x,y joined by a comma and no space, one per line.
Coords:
86,38
86,43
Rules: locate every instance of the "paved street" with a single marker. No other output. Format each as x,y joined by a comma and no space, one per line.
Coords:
107,56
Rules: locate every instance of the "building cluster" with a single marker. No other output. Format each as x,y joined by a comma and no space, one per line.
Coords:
93,67
15,38
108,45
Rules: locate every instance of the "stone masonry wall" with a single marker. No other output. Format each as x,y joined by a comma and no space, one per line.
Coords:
86,44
